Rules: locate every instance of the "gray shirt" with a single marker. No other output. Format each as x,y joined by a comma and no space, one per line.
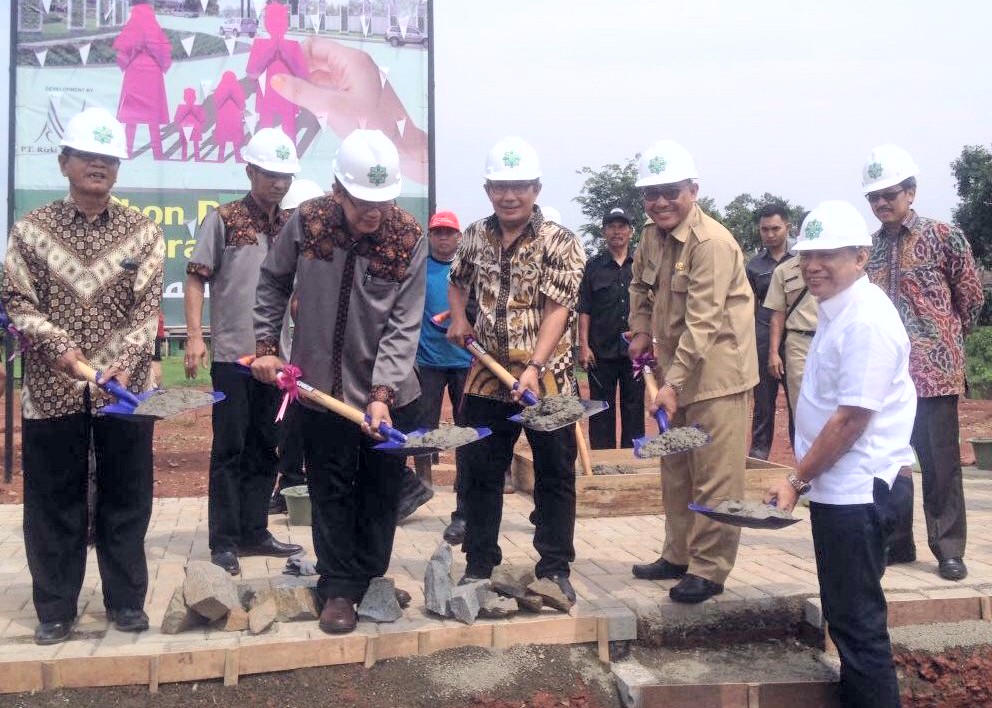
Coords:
360,301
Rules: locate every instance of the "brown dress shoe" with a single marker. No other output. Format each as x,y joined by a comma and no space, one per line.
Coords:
338,616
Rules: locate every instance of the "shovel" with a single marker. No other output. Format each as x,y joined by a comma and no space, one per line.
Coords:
396,441
150,405
660,416
528,398
744,521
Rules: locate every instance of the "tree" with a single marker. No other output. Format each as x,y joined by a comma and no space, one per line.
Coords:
604,189
739,218
973,173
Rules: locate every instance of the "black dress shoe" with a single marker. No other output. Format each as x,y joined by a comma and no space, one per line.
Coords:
894,556
952,569
271,547
52,632
277,504
403,597
659,570
338,616
692,589
413,496
455,532
226,560
564,584
129,619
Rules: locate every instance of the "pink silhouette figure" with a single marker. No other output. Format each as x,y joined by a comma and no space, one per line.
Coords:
144,55
189,119
276,55
229,101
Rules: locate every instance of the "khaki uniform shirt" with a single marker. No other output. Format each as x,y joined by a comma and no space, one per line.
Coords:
690,291
786,286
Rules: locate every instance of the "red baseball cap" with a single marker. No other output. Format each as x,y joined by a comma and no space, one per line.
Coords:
444,219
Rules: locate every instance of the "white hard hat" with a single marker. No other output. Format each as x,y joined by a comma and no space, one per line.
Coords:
367,165
886,166
272,150
665,162
551,214
833,224
300,191
96,130
512,159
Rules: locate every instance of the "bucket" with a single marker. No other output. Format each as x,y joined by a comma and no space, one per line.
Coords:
298,505
983,452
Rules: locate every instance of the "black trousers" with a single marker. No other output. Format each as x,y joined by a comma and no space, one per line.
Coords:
935,440
55,513
484,463
765,396
242,459
604,379
290,465
354,492
433,381
849,542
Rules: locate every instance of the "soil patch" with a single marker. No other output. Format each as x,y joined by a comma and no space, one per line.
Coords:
674,440
443,438
167,403
613,469
553,412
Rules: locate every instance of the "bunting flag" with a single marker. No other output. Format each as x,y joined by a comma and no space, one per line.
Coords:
263,84
322,122
251,120
47,4
188,44
84,51
383,75
40,55
230,42
205,87
404,21
315,23
203,5
401,126
366,25
363,122
191,225
187,132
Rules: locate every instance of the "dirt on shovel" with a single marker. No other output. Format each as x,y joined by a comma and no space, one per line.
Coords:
553,412
169,402
674,440
444,438
751,509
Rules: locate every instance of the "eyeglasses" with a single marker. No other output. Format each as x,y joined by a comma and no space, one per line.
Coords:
889,196
363,206
91,156
518,188
273,176
670,192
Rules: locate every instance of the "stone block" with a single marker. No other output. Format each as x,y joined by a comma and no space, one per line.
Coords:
379,603
178,617
512,581
551,594
262,615
209,590
293,604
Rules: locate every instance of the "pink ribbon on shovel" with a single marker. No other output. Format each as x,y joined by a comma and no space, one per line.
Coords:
639,362
287,382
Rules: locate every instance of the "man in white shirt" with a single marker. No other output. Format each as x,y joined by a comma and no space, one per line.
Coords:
853,424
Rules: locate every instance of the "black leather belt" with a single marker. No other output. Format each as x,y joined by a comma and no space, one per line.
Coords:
804,332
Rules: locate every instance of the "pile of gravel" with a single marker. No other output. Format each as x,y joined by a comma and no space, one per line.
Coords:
553,412
674,440
444,438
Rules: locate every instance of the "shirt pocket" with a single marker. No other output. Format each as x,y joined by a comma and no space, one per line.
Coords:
648,279
379,288
679,290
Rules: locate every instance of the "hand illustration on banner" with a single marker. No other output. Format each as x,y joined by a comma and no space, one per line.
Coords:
346,87
144,54
269,57
189,123
229,103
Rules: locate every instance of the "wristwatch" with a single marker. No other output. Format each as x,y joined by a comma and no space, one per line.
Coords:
677,389
541,368
800,485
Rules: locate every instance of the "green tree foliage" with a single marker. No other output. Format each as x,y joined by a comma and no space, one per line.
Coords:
607,188
739,218
973,173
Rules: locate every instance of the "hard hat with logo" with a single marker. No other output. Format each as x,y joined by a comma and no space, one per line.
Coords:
512,159
444,220
887,165
272,150
665,162
833,224
96,130
551,214
367,165
300,191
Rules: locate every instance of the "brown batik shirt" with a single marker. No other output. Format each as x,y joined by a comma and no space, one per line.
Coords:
95,286
546,261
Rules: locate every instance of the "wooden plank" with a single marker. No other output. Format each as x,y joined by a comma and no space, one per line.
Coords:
809,694
449,637
727,695
986,608
153,674
86,671
553,630
231,667
20,676
262,658
178,666
370,647
603,639
754,695
391,645
932,611
51,677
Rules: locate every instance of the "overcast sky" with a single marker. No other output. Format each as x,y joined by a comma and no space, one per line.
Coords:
784,96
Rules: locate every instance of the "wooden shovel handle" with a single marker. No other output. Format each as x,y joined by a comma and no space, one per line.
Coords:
583,446
651,387
505,377
330,403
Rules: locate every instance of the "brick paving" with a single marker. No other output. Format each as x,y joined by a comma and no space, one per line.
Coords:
771,564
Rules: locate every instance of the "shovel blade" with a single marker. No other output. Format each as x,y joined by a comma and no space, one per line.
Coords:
639,443
591,408
392,447
747,522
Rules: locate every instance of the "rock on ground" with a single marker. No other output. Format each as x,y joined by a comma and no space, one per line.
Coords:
235,621
209,590
443,554
512,580
293,604
466,600
379,603
437,588
495,606
262,616
551,594
178,617
530,602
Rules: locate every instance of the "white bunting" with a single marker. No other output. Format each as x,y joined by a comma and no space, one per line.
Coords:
191,225
404,21
366,25
251,120
363,122
322,122
203,4
188,44
383,75
188,132
315,23
205,86
84,51
47,5
401,126
263,83
230,42
40,56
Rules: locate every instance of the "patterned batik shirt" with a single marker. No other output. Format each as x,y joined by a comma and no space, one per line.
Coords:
95,286
546,261
928,271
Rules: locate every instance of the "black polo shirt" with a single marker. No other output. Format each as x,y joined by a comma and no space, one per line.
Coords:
604,295
759,274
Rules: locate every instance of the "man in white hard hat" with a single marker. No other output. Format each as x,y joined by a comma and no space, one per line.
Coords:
84,284
853,425
927,269
358,262
525,274
604,307
231,244
690,293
